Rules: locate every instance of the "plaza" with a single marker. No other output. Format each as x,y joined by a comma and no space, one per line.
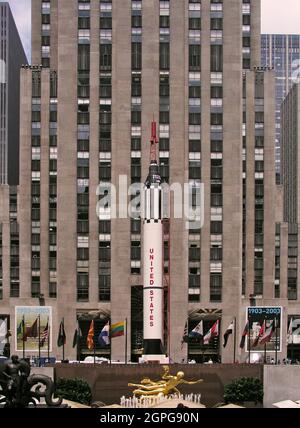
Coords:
86,280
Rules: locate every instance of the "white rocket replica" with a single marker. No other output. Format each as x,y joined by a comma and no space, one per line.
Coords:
153,241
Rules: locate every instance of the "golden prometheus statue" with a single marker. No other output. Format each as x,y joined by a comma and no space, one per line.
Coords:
166,386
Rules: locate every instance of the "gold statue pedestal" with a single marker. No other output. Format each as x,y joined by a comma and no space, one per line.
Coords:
154,359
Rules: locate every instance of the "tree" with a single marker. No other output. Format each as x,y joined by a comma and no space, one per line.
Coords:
244,389
77,390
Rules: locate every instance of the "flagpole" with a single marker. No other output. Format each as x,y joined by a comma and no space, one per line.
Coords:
234,344
249,339
126,340
276,343
292,345
109,339
188,340
23,338
94,344
63,325
265,353
265,345
48,342
39,328
78,342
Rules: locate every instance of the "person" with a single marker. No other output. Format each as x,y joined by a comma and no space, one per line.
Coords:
6,350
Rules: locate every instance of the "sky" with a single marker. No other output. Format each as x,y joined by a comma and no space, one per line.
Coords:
281,16
21,10
278,16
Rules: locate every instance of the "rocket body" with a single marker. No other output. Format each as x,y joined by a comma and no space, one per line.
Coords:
153,285
153,264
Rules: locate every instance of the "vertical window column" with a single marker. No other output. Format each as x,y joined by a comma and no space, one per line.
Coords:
105,153
244,271
36,185
216,131
277,261
259,186
46,29
164,90
14,243
53,188
194,143
136,128
246,34
83,137
293,262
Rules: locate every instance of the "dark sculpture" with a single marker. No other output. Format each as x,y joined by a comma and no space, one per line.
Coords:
17,384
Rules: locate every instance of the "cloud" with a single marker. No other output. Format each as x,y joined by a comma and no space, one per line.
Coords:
21,10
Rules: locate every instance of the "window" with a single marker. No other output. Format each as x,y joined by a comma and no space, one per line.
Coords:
195,57
164,56
216,287
136,56
82,287
216,61
83,57
106,56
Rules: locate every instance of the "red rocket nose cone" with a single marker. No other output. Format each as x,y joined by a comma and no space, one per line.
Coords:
154,142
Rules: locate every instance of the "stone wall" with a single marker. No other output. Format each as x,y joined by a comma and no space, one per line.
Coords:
109,382
281,383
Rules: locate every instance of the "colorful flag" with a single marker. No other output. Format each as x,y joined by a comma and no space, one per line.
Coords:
45,334
21,331
213,332
61,340
77,336
117,330
260,335
104,338
268,334
227,333
290,338
244,335
90,337
185,337
3,330
198,331
32,331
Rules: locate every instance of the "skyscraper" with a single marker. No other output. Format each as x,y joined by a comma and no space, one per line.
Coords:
12,56
85,119
282,53
290,154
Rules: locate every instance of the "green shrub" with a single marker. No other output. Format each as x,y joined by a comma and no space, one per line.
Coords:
244,389
77,390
